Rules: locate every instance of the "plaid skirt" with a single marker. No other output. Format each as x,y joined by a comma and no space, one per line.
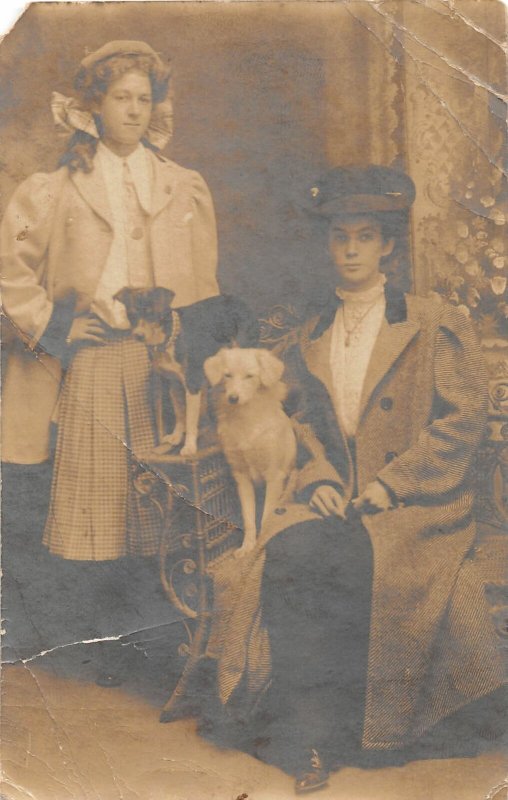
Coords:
105,418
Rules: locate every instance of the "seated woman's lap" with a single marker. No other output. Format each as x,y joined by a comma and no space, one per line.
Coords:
316,562
316,597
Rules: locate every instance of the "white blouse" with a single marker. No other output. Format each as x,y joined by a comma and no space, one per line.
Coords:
116,274
355,330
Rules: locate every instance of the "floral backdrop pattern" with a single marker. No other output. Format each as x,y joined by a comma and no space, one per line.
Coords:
475,269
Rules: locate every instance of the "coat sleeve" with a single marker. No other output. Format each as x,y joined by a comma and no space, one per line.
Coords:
439,461
24,238
204,238
314,467
316,470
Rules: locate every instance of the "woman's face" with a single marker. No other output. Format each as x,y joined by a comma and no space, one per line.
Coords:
357,246
125,112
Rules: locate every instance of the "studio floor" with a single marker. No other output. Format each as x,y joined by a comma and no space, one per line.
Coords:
66,739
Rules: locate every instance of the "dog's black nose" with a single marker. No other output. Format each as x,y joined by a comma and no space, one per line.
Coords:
233,398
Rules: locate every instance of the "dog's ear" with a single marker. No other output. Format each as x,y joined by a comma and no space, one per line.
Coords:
214,368
162,299
125,296
271,367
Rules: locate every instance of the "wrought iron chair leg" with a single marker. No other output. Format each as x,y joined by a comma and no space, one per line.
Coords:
176,707
195,499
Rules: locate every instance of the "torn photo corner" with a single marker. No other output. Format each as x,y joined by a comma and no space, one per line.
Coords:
254,400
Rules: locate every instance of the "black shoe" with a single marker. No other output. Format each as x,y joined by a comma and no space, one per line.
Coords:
312,776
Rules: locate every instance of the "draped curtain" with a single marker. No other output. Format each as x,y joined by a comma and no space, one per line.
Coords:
423,86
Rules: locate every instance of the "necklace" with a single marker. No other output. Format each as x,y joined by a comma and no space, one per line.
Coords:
358,321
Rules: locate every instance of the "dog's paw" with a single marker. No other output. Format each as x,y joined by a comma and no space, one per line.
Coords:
245,549
162,449
173,439
189,449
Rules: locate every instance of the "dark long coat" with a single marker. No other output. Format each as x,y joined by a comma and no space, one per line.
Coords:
423,410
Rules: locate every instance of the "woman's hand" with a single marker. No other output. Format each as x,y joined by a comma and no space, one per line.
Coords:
86,329
373,499
328,502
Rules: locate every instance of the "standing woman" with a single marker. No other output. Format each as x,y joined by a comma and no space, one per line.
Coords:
116,213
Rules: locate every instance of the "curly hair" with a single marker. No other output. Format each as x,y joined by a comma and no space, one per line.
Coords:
93,83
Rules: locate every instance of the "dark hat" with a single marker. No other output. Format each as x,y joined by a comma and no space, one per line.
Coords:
361,190
120,48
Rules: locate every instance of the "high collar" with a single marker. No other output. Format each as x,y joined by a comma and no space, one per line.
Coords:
114,158
395,310
92,186
139,167
365,297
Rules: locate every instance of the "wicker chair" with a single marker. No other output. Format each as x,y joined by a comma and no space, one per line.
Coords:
200,517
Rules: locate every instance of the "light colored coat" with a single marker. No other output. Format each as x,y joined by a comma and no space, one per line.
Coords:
54,240
433,647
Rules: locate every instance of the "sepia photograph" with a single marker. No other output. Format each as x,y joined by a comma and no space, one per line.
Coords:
254,309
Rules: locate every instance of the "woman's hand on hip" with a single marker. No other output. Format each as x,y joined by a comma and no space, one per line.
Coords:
87,329
328,502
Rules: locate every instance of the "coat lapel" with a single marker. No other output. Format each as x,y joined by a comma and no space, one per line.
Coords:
397,331
92,188
164,185
392,340
316,353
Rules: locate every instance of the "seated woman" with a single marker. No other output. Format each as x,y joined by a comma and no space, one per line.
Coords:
361,618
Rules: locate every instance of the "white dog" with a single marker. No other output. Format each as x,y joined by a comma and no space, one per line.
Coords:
257,436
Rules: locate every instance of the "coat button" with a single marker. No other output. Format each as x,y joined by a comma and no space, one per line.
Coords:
280,511
168,189
390,456
137,233
386,403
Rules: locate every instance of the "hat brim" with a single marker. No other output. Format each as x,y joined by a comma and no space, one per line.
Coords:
120,48
363,204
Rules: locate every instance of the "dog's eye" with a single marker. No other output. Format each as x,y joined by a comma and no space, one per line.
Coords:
228,375
250,375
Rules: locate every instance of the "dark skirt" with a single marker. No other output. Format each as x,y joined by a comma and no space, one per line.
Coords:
316,598
105,419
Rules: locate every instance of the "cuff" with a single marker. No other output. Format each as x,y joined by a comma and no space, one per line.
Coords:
53,340
391,493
